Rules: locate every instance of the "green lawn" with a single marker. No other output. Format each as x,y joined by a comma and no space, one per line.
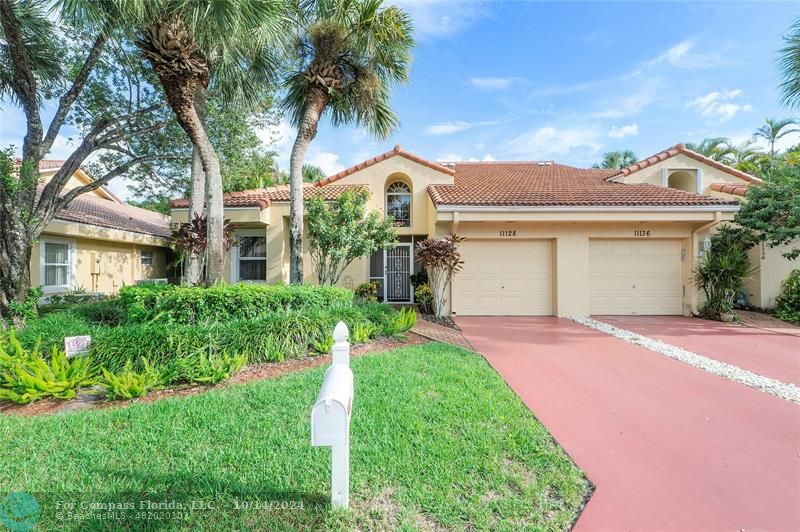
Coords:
438,440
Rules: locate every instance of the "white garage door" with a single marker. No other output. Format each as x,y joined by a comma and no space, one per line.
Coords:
505,278
635,277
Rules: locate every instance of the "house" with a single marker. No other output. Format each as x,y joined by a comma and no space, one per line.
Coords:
542,238
98,243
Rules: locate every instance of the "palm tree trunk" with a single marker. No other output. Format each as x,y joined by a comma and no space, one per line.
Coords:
317,101
193,272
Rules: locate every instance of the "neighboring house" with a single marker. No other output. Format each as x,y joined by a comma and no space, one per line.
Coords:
542,238
98,243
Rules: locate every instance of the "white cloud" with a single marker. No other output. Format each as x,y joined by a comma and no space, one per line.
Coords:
548,142
454,157
631,130
327,161
442,18
718,104
681,55
456,126
629,105
492,84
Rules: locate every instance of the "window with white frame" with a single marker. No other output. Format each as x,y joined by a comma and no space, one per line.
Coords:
398,203
58,264
146,257
252,258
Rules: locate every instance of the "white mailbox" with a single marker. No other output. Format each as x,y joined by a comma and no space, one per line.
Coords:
330,416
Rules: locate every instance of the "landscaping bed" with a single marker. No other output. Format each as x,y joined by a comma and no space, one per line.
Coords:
438,441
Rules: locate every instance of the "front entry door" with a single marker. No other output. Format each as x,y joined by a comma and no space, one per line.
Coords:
398,274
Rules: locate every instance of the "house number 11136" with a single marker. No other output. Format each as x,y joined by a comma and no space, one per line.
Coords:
512,232
642,232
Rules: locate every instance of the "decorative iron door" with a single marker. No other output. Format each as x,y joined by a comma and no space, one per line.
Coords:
398,274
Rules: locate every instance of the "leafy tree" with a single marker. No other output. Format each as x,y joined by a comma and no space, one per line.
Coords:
342,231
772,211
617,160
345,58
441,259
717,148
774,130
789,66
40,60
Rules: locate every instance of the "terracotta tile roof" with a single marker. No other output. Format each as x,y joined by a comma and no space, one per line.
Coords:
47,164
263,197
398,150
728,188
92,210
682,149
542,184
55,164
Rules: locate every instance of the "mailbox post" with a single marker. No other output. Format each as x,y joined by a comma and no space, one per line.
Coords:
330,416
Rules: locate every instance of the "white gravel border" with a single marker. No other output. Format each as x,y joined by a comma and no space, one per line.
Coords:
788,392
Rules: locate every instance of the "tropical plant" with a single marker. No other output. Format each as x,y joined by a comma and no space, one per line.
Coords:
323,346
345,58
363,332
789,66
341,231
743,154
367,292
617,160
441,259
25,375
423,297
190,240
774,130
721,271
211,369
787,305
403,322
717,148
772,211
130,384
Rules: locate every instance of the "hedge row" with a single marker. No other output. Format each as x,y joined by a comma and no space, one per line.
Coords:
167,304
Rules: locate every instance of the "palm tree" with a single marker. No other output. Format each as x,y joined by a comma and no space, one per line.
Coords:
743,155
617,160
717,148
774,130
789,65
346,56
192,45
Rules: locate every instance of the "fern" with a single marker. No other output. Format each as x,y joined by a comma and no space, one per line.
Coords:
323,346
128,384
363,332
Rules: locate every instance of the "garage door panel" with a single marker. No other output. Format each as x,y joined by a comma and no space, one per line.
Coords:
504,278
635,277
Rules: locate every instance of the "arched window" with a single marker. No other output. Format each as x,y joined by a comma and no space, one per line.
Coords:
398,203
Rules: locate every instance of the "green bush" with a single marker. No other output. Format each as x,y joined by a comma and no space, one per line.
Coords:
363,332
324,346
367,292
402,323
423,296
29,308
787,305
209,369
721,271
26,376
190,305
129,384
107,312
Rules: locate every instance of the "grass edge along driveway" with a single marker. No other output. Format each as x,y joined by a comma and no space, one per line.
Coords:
438,440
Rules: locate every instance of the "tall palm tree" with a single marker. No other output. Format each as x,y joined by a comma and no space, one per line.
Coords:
617,160
774,130
346,57
742,154
717,148
789,65
192,44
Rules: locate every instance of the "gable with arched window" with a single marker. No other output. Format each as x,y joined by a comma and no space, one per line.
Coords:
398,203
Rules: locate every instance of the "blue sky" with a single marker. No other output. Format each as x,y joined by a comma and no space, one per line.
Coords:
565,81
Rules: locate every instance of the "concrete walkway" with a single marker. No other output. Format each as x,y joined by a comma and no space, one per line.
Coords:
759,320
668,446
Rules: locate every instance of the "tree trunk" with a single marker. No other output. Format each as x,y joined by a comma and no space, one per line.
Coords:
193,271
15,260
317,101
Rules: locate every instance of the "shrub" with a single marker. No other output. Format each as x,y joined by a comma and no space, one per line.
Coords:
27,309
209,369
441,259
109,312
787,305
721,271
423,296
402,323
367,292
26,376
189,305
418,279
323,346
128,384
363,332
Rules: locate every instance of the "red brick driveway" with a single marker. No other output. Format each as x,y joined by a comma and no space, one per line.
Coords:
667,446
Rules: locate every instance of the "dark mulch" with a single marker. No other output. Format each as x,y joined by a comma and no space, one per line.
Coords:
254,372
445,321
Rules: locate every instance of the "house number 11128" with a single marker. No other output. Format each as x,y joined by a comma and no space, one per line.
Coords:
512,232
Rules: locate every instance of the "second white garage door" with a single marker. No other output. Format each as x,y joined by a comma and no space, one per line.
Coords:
505,278
638,277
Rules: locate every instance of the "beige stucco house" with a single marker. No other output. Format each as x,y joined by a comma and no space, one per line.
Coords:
98,243
542,238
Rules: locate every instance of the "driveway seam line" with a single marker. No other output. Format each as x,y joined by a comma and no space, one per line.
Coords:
782,390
